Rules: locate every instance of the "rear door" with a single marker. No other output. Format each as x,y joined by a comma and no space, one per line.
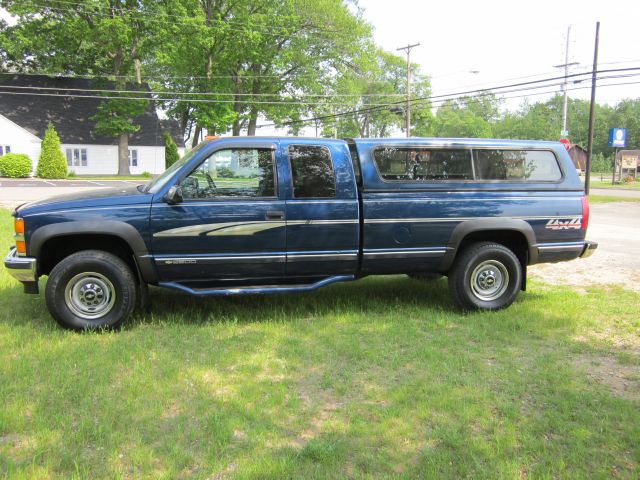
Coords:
321,209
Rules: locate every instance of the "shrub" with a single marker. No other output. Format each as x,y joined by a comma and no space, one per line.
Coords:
52,163
171,155
224,172
15,165
146,174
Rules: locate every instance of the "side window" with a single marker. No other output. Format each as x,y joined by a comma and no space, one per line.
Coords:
133,157
312,171
421,164
4,149
518,165
237,172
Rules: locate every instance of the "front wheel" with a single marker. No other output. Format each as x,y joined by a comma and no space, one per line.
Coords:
91,290
485,276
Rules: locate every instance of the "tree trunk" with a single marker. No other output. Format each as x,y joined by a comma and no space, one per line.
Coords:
196,136
236,127
123,154
253,122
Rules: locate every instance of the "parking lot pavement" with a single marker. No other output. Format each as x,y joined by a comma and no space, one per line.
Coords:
16,191
40,183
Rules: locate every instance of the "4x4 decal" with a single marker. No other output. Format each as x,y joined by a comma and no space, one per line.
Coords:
557,224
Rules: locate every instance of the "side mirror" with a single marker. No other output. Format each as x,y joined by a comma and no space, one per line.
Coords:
174,195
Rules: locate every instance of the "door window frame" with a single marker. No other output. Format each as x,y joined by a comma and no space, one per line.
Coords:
275,196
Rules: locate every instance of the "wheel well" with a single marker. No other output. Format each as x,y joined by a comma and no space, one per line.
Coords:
512,239
57,248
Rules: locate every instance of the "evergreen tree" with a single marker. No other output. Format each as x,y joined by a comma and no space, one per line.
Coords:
52,163
171,155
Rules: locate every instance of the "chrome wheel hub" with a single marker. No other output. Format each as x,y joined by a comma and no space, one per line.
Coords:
489,280
90,295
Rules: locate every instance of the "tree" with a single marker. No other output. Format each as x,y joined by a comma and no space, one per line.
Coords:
171,155
105,38
52,163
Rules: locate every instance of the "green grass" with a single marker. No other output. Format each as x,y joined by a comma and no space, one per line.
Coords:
611,199
607,184
378,378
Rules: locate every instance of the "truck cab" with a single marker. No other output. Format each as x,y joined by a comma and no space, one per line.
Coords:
266,215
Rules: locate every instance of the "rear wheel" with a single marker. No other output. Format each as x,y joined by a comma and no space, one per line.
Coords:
91,290
485,276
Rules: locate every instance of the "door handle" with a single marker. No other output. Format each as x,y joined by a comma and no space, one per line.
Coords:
274,216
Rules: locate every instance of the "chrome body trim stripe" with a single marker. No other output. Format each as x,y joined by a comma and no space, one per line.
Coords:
559,247
403,253
319,257
463,219
186,260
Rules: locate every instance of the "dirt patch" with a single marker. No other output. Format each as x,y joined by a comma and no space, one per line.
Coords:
622,380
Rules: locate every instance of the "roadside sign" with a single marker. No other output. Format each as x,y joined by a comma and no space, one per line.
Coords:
618,137
629,161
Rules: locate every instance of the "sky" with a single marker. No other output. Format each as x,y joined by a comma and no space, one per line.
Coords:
507,40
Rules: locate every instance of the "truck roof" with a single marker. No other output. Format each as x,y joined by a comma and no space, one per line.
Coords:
458,142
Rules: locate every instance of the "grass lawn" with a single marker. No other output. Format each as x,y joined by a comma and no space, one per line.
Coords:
378,378
607,184
611,199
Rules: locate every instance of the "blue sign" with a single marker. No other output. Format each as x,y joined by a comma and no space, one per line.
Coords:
617,137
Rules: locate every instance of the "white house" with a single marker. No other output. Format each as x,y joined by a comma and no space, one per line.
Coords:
24,119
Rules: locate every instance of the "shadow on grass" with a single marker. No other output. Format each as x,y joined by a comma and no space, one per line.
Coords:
381,377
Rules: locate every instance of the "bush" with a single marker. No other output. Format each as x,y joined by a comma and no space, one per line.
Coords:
171,154
224,172
52,163
15,165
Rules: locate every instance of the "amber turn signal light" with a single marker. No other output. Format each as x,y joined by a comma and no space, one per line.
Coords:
18,226
21,247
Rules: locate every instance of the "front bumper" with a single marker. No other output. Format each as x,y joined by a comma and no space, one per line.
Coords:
589,248
23,269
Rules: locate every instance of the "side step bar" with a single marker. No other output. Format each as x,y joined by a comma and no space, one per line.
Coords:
256,290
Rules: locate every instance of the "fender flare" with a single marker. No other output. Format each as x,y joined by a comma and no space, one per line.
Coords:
486,224
122,230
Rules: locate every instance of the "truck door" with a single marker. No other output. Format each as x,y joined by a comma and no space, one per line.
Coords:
322,209
231,223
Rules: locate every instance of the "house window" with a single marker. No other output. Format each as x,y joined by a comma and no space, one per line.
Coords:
76,157
133,157
5,149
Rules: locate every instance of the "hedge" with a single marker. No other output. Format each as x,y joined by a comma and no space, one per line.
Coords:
15,165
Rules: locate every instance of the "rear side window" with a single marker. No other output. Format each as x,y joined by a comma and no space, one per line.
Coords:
312,171
518,165
419,164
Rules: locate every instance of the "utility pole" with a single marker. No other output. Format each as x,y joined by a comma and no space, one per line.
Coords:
565,65
407,118
592,105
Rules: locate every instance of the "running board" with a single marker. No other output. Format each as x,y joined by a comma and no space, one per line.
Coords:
256,290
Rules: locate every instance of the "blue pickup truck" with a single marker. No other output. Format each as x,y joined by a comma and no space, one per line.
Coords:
262,215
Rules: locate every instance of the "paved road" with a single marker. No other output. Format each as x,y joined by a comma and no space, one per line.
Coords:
615,192
14,192
39,183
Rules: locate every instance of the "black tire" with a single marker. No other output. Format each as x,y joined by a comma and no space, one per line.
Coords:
91,290
424,276
485,276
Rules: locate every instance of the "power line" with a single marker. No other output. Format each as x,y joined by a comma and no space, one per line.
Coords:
174,92
200,94
454,95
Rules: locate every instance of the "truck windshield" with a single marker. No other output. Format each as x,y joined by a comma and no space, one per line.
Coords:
160,181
